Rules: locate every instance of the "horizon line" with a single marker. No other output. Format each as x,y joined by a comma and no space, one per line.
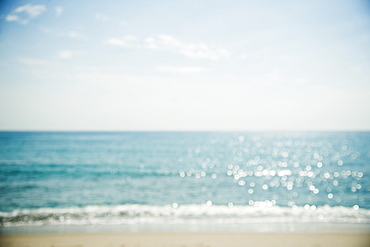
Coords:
184,130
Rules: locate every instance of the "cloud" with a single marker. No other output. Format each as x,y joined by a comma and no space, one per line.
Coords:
33,62
128,41
15,18
196,51
181,70
25,13
114,41
101,17
12,18
66,54
32,10
73,35
59,11
169,43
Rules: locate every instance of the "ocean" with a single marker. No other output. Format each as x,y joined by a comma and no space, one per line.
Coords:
184,180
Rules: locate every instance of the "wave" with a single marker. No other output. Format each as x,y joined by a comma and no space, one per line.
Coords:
262,212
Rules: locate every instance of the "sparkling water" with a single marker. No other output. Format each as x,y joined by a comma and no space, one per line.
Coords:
130,178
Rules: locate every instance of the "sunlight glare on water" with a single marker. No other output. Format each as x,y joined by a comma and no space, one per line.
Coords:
298,172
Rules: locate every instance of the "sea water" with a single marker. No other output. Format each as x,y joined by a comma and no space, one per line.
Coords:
182,179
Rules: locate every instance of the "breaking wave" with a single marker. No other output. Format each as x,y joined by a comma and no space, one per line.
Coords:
261,212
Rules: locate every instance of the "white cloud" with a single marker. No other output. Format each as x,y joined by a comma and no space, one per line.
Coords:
69,54
73,35
114,41
59,11
101,17
169,43
25,13
196,51
181,70
11,18
150,43
33,62
15,18
127,41
32,10
66,54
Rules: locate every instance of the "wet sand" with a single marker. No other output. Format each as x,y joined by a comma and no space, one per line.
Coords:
187,240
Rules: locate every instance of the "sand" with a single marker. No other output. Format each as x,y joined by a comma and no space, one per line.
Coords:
187,240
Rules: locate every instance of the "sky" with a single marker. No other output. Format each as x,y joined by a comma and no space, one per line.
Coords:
184,65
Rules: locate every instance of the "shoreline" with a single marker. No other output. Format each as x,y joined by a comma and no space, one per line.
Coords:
187,239
271,227
189,228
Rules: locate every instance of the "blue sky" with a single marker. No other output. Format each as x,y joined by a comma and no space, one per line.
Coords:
185,65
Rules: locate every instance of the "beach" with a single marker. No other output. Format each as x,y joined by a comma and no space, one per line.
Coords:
184,189
187,239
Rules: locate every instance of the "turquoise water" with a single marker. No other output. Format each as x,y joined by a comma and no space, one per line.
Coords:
95,178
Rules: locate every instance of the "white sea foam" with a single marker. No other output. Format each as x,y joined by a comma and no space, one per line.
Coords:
261,212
